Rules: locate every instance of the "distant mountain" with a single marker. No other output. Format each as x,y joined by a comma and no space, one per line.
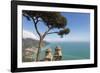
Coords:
29,43
29,40
27,34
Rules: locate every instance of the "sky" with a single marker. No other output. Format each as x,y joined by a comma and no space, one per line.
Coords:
78,23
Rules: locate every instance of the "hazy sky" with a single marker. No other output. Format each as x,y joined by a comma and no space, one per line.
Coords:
78,23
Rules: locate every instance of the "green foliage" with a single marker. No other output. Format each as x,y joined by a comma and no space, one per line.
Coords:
63,32
51,19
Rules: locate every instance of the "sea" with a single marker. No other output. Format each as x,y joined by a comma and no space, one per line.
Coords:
70,50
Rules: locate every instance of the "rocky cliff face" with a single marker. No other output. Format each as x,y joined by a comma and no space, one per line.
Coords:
30,44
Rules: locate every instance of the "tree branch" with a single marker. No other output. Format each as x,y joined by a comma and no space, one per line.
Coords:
52,32
46,32
35,23
39,20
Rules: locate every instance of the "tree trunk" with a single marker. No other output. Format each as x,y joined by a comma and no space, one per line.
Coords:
39,48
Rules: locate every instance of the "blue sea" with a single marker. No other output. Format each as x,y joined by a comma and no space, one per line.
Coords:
70,50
